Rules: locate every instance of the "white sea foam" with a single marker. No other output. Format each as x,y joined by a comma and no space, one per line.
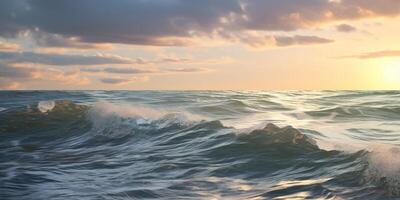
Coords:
46,106
121,119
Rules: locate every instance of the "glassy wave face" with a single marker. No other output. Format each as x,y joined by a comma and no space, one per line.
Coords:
199,145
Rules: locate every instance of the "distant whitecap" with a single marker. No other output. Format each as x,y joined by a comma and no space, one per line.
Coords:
46,106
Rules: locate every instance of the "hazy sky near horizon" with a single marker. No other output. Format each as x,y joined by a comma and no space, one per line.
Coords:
200,44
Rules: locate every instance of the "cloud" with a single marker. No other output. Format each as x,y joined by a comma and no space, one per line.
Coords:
6,84
61,59
259,40
6,46
27,73
150,22
288,15
131,70
127,70
91,70
7,71
251,39
118,70
174,22
59,41
300,40
345,28
122,81
187,70
100,59
375,54
190,61
66,77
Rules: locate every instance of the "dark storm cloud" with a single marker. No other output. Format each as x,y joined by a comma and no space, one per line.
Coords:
60,59
172,22
294,14
120,21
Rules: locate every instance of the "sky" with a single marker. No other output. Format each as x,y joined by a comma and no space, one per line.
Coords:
199,44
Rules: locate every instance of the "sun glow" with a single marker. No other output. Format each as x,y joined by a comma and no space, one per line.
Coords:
391,73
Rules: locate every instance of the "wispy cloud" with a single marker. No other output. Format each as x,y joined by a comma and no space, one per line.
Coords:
260,40
128,70
186,70
300,40
375,54
122,81
61,59
99,59
132,70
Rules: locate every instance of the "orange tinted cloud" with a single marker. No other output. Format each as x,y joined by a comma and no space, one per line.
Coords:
9,85
6,46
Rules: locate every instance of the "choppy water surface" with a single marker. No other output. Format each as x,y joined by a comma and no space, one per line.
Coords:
199,145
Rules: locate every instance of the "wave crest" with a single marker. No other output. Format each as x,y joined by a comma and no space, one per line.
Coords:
119,120
288,135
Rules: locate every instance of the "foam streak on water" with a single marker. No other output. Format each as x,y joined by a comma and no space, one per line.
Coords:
199,145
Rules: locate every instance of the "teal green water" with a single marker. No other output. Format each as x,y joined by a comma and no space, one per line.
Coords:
199,145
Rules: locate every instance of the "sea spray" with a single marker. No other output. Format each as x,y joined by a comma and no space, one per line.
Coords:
384,168
46,106
118,120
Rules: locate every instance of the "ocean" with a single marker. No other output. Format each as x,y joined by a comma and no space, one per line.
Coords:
199,145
